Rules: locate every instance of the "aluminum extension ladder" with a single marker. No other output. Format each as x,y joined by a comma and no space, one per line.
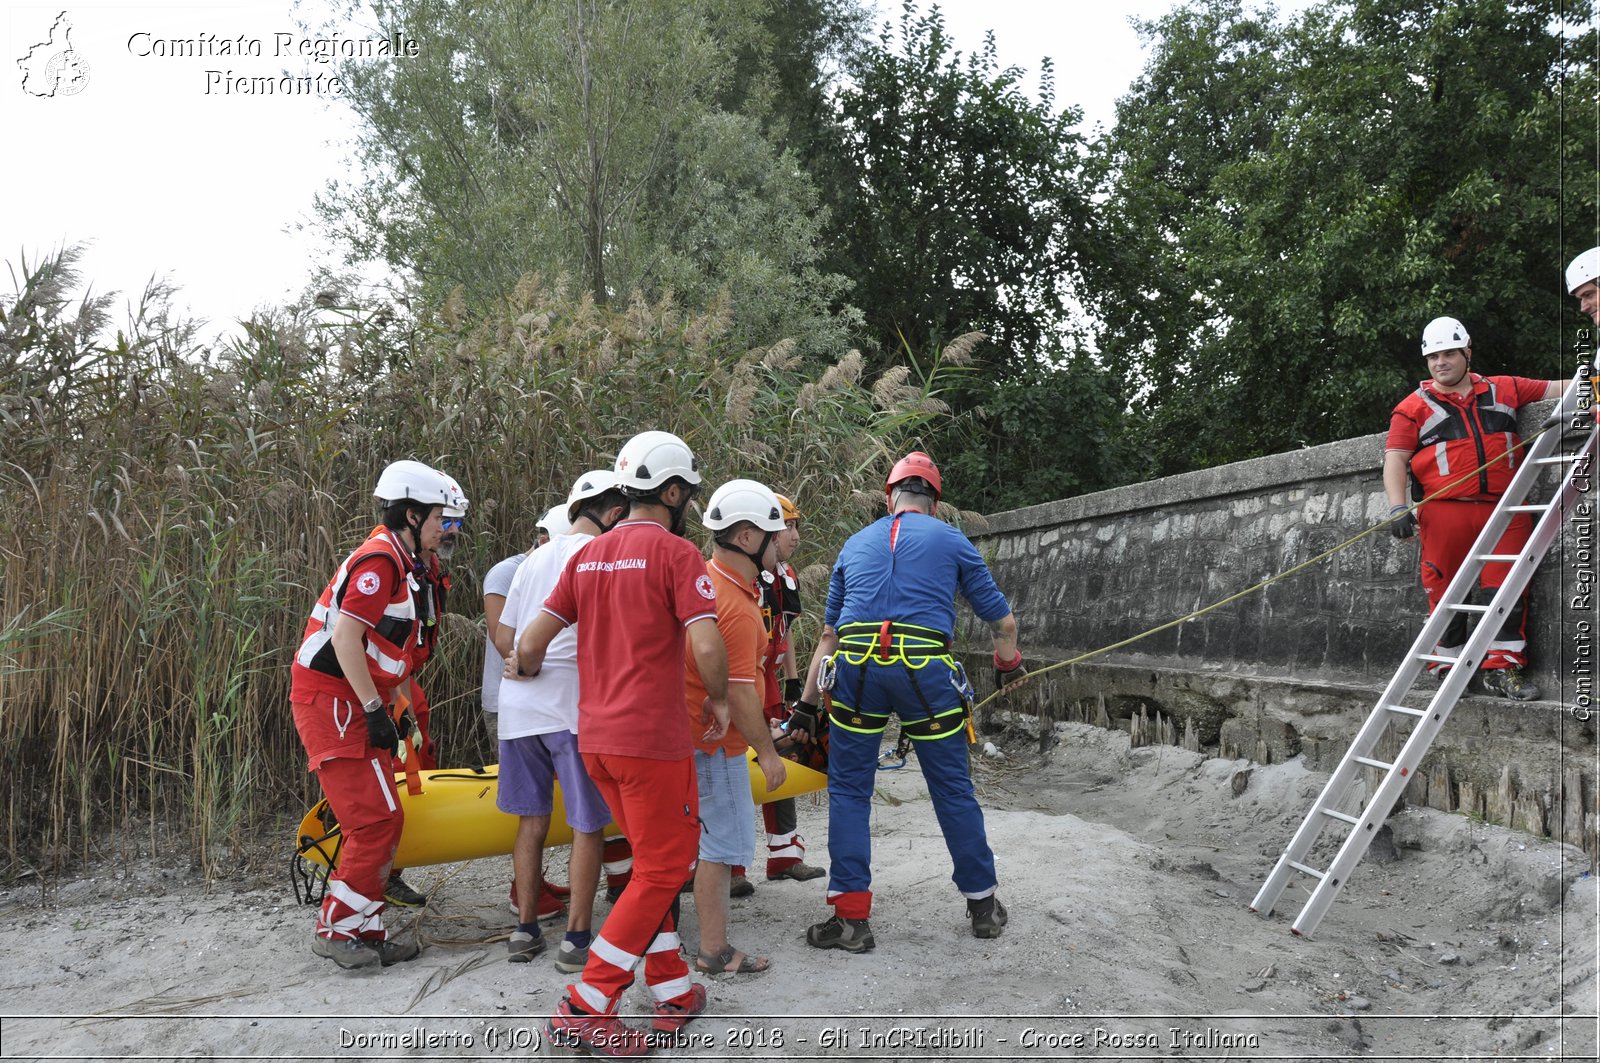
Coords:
1362,827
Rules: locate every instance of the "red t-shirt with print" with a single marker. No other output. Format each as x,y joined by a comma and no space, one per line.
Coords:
632,592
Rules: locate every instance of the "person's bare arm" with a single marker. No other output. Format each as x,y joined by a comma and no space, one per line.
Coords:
744,708
529,656
493,606
711,659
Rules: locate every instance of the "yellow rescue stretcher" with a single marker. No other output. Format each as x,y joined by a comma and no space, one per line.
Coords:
452,816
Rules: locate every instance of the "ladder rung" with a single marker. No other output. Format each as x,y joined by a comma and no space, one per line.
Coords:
1305,870
1528,509
1464,608
1369,762
1436,659
1498,557
1340,816
1419,713
1558,459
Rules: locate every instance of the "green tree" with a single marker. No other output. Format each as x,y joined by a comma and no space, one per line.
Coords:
582,140
963,206
1289,203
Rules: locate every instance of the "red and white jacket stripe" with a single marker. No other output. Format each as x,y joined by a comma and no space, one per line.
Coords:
391,644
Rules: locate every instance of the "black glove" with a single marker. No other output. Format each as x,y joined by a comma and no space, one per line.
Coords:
405,726
1406,526
1008,673
792,689
803,718
381,731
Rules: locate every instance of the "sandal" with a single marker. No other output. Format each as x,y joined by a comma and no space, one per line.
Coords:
722,962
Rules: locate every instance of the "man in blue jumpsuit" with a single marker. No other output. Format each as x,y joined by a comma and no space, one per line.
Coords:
885,650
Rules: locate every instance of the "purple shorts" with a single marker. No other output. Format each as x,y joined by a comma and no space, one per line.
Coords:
529,767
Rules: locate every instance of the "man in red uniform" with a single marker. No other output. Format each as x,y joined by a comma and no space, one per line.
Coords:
1457,436
638,592
359,647
1583,281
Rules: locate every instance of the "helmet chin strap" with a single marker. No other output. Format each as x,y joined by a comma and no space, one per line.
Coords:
755,558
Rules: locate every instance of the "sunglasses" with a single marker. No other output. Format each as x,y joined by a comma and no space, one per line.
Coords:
452,523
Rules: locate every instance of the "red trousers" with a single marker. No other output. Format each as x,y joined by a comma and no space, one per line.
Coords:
657,805
362,794
1447,528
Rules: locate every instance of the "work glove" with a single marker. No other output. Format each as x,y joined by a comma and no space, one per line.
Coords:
1406,526
792,689
803,718
1006,672
381,731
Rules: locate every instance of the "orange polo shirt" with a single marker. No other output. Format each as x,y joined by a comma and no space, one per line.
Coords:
745,634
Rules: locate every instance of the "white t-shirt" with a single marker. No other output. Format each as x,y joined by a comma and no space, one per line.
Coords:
498,581
549,701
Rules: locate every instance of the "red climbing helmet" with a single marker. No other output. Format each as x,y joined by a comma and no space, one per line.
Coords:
915,465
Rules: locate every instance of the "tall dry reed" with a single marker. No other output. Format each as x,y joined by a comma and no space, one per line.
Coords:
171,511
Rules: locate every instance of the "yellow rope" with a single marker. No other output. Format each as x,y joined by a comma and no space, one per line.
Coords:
1013,687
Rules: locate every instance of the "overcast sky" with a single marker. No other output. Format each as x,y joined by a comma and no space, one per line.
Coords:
162,166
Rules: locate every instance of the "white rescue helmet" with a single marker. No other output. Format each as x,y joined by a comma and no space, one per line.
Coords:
1584,268
555,522
650,459
591,484
739,500
420,483
1444,334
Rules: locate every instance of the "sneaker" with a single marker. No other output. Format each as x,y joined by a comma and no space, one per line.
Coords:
852,935
397,893
572,1030
555,890
349,953
1507,683
988,916
800,871
546,907
522,946
673,1015
398,950
740,886
570,958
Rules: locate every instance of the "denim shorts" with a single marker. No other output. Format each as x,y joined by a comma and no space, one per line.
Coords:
529,767
727,809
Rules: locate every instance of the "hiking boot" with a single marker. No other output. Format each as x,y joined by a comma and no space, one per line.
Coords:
800,871
522,946
570,958
397,893
740,886
349,953
852,935
988,916
398,950
571,1030
673,1015
1507,683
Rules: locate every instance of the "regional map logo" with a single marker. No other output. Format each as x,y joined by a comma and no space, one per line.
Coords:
53,67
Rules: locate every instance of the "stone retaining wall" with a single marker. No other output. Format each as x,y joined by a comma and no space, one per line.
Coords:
1295,668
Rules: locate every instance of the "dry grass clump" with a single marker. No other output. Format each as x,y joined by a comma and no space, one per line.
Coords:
173,511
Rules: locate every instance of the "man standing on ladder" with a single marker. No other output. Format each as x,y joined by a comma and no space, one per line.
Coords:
1457,436
885,650
1583,281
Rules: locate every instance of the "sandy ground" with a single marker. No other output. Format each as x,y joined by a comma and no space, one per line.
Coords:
1127,874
